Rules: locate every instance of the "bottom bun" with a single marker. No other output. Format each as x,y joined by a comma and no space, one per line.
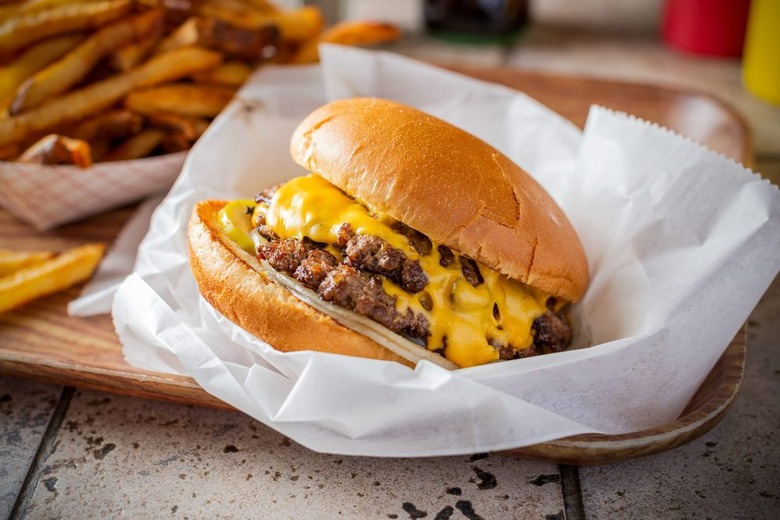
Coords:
232,281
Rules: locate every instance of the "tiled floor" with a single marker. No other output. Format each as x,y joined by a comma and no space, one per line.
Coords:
25,410
119,456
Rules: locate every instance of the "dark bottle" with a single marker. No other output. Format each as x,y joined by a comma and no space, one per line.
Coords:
487,20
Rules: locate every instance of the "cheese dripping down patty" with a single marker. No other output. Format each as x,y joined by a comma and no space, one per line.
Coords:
468,323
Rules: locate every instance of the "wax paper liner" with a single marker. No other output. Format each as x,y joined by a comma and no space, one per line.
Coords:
681,244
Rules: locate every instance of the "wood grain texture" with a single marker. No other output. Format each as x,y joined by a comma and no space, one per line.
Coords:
40,341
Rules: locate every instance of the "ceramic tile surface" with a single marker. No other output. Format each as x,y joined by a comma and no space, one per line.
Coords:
25,410
732,471
121,456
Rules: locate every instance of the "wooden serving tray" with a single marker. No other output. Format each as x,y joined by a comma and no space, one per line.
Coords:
40,341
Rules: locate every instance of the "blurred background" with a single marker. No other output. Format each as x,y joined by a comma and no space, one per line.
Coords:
695,45
637,15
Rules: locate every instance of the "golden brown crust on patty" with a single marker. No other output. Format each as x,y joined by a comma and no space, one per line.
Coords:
267,310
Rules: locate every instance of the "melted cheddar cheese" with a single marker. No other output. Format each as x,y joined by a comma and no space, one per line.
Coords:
469,323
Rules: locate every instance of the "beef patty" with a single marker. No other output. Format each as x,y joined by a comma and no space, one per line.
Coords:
354,282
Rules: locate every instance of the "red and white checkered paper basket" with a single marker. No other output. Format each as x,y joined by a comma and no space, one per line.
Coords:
49,196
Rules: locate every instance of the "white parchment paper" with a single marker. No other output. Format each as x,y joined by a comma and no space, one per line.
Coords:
681,244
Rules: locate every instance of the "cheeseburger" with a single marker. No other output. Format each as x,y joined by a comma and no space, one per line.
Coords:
408,239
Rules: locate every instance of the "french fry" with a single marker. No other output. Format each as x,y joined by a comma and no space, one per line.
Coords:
230,73
175,142
131,54
9,151
180,98
284,54
361,32
137,146
219,34
185,35
114,124
30,62
11,261
263,6
190,128
308,52
18,32
50,276
9,9
74,66
236,41
124,57
348,33
99,149
235,12
98,96
297,24
57,149
26,7
294,25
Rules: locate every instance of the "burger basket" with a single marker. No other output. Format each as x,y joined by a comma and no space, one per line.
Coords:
49,196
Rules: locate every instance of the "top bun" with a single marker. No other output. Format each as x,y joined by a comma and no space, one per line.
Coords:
448,184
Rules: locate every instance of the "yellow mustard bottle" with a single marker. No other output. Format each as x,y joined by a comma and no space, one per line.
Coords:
761,58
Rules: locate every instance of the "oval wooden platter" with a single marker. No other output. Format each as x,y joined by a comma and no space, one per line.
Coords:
41,341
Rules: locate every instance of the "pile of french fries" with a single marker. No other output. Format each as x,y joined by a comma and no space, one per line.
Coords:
85,81
28,275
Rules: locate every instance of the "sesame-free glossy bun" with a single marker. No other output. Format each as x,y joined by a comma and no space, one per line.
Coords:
447,184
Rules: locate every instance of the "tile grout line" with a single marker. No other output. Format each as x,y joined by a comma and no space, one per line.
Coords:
572,493
45,448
